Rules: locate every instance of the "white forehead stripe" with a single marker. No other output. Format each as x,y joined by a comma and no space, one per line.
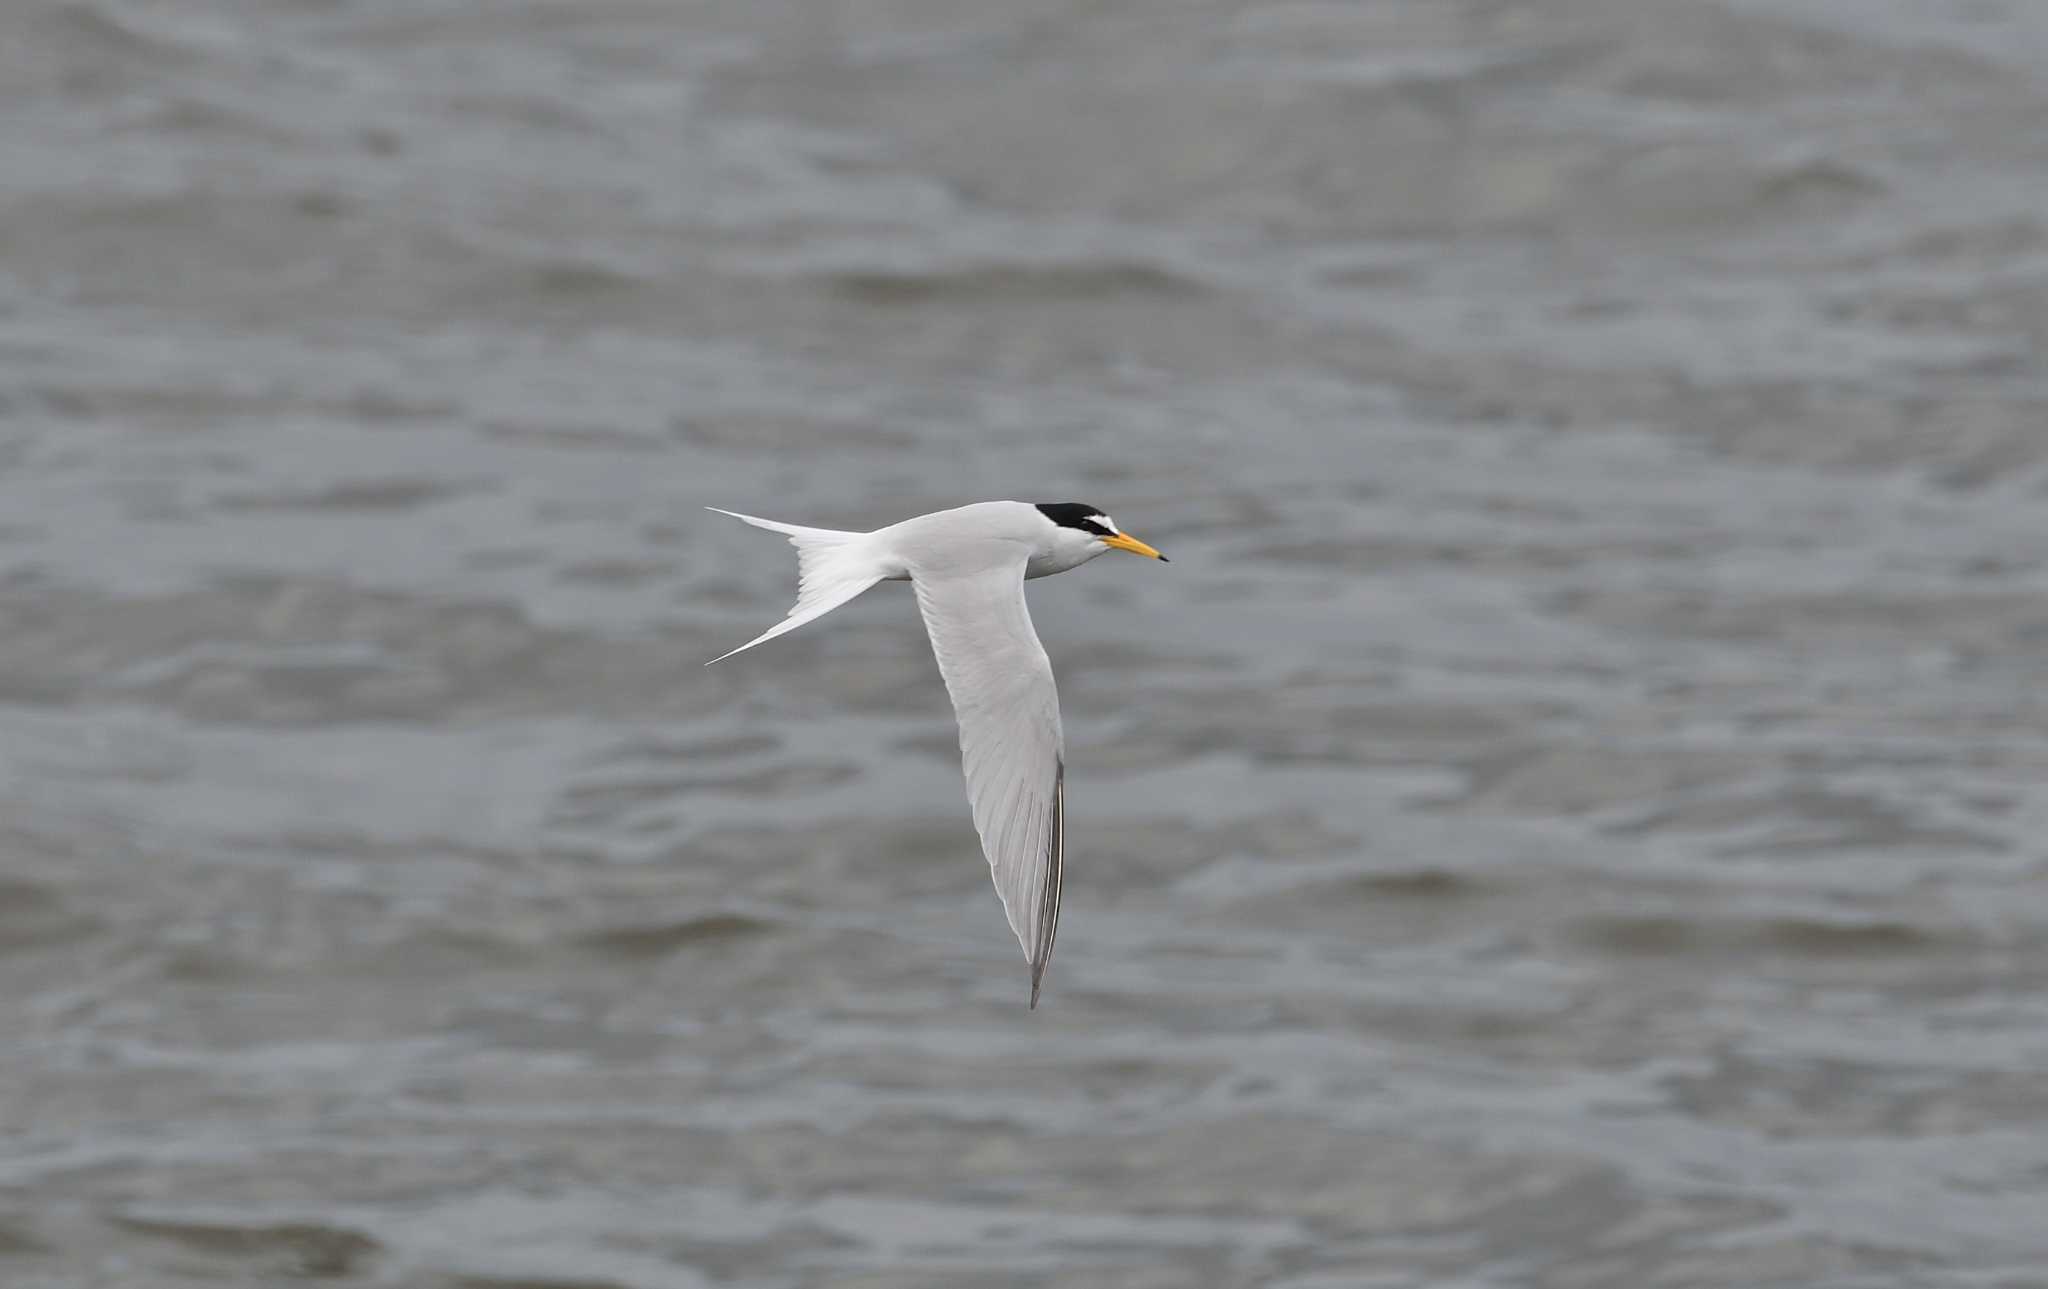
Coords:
1108,523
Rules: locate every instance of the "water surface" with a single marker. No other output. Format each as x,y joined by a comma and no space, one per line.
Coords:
1569,816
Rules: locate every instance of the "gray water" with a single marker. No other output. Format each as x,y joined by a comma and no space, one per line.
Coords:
1570,815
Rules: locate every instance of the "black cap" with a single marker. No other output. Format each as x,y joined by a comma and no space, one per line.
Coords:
1076,514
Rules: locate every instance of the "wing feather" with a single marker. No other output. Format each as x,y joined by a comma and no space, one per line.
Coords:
1011,747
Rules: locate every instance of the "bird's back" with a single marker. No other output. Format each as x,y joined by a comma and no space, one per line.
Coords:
965,539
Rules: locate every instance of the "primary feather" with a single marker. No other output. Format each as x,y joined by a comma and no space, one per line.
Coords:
1011,745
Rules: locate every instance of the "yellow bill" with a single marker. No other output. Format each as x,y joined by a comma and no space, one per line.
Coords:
1126,542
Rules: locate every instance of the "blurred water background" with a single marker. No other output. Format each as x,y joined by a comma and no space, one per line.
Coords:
1571,814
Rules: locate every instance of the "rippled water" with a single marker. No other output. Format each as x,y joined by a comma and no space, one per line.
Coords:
1570,815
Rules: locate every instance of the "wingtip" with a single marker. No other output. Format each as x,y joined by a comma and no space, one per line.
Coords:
730,652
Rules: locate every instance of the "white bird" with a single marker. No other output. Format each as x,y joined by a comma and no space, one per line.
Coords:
968,568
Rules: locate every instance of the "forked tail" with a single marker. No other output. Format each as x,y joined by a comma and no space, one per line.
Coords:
832,568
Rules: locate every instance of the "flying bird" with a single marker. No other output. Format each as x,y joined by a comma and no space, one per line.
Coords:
968,567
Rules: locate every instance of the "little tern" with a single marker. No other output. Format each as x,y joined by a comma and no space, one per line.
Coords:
968,567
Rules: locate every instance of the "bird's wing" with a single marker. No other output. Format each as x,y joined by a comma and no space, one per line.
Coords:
1010,743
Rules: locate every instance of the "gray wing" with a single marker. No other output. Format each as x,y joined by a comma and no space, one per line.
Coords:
1010,741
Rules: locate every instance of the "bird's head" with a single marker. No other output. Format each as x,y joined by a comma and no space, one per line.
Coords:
1081,532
